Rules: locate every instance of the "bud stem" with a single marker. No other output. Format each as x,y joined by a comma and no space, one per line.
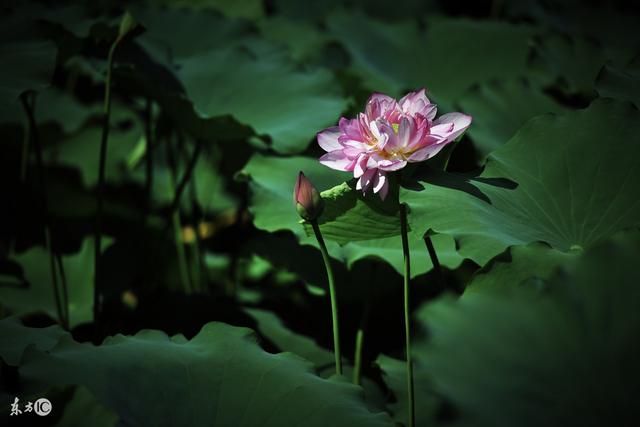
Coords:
332,294
407,311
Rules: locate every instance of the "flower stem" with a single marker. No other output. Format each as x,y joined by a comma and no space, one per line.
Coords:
407,317
34,140
332,294
106,116
434,260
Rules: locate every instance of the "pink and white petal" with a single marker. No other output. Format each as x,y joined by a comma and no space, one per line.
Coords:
350,129
360,166
441,130
459,121
380,106
431,111
415,103
380,184
427,152
366,180
337,160
390,165
328,139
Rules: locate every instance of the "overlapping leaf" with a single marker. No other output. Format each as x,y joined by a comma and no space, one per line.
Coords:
575,176
452,56
362,225
499,109
564,356
220,377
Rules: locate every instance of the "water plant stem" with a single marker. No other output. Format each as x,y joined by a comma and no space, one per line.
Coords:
32,132
332,294
106,117
407,311
434,260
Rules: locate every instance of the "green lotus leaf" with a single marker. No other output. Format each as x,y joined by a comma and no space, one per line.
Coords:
219,377
37,293
354,226
498,111
565,355
567,180
620,83
447,59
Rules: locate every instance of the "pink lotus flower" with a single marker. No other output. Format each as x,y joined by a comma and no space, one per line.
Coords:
387,136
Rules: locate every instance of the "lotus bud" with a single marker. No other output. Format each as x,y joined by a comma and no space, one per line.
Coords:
306,199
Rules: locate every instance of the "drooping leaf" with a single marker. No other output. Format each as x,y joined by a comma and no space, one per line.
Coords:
499,109
575,176
220,377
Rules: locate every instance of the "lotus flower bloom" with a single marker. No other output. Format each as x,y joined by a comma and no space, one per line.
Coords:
387,136
306,198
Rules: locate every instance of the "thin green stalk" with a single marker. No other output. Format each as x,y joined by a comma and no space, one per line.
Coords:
332,294
25,153
434,260
357,369
362,329
149,153
65,294
407,311
106,116
183,265
32,131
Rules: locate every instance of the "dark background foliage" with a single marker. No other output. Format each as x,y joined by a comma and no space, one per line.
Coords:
215,107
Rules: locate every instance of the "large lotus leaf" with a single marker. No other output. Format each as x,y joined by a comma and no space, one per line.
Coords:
303,40
452,56
26,65
572,62
520,265
317,10
575,176
498,111
83,409
268,94
220,377
350,216
15,338
249,9
285,339
347,220
621,83
564,356
37,295
228,71
389,249
214,32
